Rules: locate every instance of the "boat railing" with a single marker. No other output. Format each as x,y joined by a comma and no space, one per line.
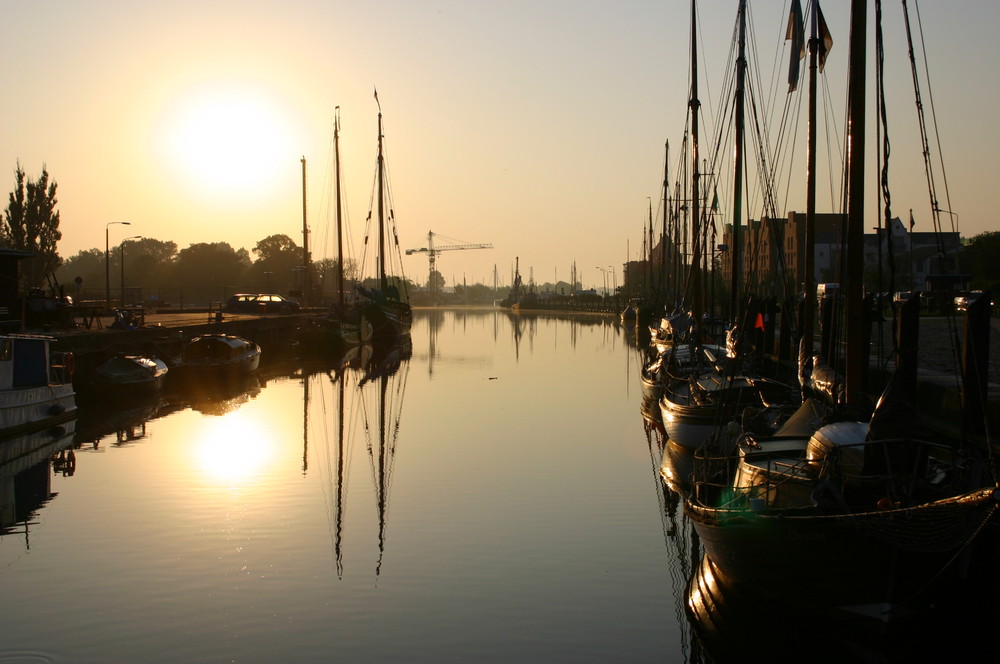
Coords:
876,474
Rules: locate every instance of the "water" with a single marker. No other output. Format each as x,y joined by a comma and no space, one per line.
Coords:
512,512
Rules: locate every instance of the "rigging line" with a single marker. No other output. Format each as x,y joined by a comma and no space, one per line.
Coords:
762,174
882,132
763,185
922,123
780,57
930,96
780,152
830,119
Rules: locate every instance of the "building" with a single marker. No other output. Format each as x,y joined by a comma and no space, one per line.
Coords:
923,261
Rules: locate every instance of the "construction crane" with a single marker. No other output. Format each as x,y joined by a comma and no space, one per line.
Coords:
433,251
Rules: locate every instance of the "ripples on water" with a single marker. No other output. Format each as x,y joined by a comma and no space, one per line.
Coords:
490,494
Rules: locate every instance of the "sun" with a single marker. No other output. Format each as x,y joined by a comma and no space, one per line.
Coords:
228,141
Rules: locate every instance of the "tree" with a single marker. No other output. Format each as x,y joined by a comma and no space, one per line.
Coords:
277,258
31,223
148,261
88,265
435,282
210,264
981,258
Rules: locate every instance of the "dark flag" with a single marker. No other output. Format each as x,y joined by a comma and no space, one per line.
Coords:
796,34
825,39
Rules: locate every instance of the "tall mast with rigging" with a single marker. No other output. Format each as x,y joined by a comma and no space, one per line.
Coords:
697,306
340,226
380,170
736,250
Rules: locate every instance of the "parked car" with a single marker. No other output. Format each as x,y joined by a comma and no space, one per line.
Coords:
254,303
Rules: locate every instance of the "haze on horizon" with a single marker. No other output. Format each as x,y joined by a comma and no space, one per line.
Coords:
537,127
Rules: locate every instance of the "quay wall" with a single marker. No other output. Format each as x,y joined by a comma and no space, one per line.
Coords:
164,340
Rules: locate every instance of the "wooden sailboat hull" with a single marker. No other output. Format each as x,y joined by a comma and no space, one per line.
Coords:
389,319
872,559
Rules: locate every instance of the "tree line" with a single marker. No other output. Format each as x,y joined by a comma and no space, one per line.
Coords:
31,224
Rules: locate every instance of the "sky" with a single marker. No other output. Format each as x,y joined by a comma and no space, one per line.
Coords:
538,126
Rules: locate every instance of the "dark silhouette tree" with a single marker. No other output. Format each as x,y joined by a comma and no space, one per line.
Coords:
31,223
215,264
277,258
981,258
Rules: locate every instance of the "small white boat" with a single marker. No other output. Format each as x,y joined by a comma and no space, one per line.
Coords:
36,385
131,375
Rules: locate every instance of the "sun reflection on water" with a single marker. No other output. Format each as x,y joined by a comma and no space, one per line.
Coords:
234,450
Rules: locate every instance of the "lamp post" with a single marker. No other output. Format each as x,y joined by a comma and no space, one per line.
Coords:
122,257
604,272
107,261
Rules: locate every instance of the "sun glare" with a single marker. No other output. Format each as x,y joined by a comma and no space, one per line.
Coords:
233,450
228,142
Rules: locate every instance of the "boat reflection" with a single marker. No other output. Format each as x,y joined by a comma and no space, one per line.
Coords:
734,623
368,391
27,464
223,398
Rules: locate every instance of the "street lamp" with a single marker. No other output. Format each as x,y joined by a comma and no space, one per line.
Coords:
107,261
604,271
124,240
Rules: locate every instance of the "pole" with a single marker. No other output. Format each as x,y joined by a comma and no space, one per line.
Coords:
307,277
107,260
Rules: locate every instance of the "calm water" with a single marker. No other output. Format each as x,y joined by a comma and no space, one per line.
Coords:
511,511
493,496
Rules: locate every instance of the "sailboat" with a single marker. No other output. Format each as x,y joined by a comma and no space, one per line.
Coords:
343,325
387,307
865,511
715,389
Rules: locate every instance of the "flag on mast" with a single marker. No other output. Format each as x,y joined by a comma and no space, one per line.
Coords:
796,33
825,38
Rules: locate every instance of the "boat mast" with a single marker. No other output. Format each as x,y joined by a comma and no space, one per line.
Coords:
307,281
380,163
664,233
854,288
340,228
695,275
736,250
809,281
648,256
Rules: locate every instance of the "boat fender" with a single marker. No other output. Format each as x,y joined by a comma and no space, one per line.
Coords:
57,409
69,366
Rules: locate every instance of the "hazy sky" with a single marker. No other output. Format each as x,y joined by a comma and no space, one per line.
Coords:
535,125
